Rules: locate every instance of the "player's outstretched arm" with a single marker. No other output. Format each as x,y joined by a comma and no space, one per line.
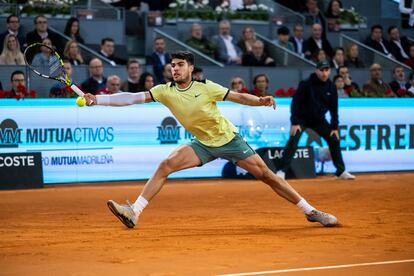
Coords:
118,99
247,99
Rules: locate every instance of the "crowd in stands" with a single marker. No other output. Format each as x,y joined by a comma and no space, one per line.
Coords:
243,49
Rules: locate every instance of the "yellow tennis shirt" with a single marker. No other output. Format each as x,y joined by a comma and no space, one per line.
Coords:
195,107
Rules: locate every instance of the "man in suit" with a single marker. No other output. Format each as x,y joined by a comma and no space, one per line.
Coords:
316,42
399,85
399,46
108,51
13,27
226,49
158,58
297,39
313,15
376,41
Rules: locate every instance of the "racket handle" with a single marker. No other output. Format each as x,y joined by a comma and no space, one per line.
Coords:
77,90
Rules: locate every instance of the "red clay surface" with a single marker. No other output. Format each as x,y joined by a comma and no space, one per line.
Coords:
209,227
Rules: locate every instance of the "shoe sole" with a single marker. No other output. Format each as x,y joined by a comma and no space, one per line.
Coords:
122,218
325,225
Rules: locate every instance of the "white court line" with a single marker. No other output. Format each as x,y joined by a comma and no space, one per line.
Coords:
317,268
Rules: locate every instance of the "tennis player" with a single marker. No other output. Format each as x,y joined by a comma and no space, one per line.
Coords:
194,104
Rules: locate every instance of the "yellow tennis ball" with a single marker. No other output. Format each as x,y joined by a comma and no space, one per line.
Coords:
80,101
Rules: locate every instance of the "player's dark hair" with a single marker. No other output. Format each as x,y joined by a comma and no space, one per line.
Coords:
185,55
10,17
107,39
17,72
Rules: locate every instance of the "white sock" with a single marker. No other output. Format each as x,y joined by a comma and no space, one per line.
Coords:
305,206
139,205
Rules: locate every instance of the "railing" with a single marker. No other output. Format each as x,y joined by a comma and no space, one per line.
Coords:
369,56
281,14
283,56
176,45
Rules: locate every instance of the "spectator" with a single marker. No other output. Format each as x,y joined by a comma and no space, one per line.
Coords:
410,61
11,54
399,46
352,57
237,84
72,30
18,87
351,88
199,42
146,82
332,14
319,55
407,13
376,41
158,58
313,15
41,32
72,53
338,58
410,91
376,87
261,85
316,41
113,85
167,73
283,38
97,81
399,85
60,90
226,49
13,27
340,85
258,57
247,40
45,57
108,51
198,74
297,40
134,72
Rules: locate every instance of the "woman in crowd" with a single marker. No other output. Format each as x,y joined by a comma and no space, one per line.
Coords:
11,54
72,53
247,40
237,84
146,82
72,30
352,57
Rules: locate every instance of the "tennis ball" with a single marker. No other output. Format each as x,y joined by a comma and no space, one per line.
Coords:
80,101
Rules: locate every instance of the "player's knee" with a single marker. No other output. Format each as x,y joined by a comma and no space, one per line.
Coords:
166,166
265,175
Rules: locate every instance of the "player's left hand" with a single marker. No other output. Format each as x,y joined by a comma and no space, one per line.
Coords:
267,101
336,133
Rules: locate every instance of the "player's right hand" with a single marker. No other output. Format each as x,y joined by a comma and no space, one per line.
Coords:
90,99
294,129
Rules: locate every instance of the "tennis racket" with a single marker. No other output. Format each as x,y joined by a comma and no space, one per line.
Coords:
46,63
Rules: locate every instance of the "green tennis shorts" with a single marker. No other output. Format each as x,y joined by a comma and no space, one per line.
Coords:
235,150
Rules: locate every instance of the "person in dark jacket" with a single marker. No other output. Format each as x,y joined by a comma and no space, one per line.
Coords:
314,98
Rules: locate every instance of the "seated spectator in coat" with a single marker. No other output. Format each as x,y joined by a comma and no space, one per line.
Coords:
376,41
258,57
18,87
410,61
158,58
11,54
72,29
60,90
134,72
283,38
351,88
399,85
198,74
41,32
410,91
146,81
338,58
316,42
297,39
72,53
199,42
45,57
261,86
226,49
314,15
13,28
352,57
376,87
97,81
108,51
237,84
113,85
399,46
247,39
340,84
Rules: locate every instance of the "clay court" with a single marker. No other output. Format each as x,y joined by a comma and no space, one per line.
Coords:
211,227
